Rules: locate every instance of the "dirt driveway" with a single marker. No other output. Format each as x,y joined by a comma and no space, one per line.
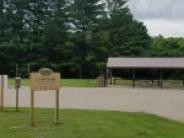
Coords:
166,103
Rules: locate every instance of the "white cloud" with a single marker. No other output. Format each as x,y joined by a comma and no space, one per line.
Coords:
164,17
166,28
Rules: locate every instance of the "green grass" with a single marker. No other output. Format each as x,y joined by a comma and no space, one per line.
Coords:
64,82
87,124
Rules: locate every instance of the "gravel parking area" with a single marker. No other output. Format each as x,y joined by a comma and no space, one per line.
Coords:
167,102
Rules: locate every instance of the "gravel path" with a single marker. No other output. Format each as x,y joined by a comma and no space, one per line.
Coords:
167,103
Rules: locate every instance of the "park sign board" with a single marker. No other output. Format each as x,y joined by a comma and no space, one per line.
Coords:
45,79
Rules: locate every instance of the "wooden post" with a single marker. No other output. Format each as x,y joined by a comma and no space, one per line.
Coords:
57,108
17,86
107,78
183,83
111,77
28,70
114,81
17,99
153,77
161,77
2,92
17,70
152,82
158,81
133,78
32,108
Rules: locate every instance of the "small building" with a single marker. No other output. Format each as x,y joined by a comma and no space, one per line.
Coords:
134,64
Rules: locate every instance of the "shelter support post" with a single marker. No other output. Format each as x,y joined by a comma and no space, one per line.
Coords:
158,83
107,78
152,82
114,81
133,78
110,76
161,79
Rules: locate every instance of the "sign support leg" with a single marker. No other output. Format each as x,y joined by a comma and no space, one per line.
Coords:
32,108
57,108
17,99
133,78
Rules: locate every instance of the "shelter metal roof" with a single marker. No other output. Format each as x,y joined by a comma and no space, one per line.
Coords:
123,62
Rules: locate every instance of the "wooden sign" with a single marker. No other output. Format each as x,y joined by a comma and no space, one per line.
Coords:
45,79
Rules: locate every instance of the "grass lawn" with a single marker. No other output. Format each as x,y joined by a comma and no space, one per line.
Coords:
64,82
87,124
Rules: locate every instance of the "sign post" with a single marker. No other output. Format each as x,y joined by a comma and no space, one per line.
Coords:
17,86
32,108
45,80
57,108
2,92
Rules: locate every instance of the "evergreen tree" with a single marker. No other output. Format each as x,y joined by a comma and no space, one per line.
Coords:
55,34
127,36
85,16
73,36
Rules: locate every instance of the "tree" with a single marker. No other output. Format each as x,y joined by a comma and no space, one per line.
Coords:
1,19
166,47
4,24
20,12
55,33
85,16
127,37
72,36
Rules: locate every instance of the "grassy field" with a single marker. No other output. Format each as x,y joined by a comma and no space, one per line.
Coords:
87,124
64,82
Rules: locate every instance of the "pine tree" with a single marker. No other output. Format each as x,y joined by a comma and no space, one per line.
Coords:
1,20
85,16
127,37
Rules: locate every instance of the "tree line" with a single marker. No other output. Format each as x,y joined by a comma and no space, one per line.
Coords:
74,37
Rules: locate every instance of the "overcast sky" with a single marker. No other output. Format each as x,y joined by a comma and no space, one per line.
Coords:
165,17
